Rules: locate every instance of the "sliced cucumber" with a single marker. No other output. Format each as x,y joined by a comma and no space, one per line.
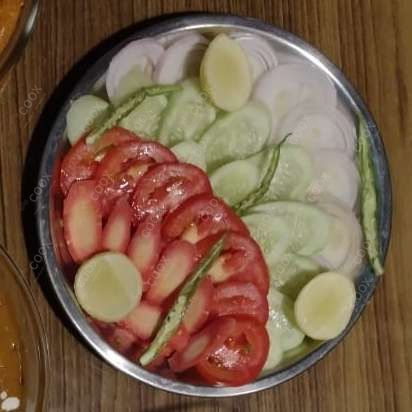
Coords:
293,175
83,114
267,162
282,320
126,108
188,115
307,225
237,135
234,181
190,152
275,354
271,233
291,272
145,119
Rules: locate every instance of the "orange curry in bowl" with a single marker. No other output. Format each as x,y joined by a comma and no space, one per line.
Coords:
11,377
10,11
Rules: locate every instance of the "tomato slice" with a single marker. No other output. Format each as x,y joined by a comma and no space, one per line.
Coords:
80,162
240,298
175,264
113,187
203,344
166,186
200,216
77,164
145,247
240,359
176,344
241,260
113,137
199,308
119,157
82,220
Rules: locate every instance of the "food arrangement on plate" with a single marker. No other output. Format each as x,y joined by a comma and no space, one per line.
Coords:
212,204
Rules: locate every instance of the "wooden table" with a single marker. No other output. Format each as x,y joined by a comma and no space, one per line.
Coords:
370,41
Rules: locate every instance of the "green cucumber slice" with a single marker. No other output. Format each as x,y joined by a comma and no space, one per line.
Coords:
270,160
307,225
190,152
188,115
291,272
175,316
237,135
282,320
271,233
145,119
234,181
369,199
83,114
127,107
294,174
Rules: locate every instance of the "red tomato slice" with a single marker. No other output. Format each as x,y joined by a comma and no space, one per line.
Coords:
114,137
203,344
240,298
145,246
116,232
123,183
240,359
176,344
175,264
77,164
82,220
125,164
241,260
199,308
80,163
121,339
200,216
165,186
143,320
119,157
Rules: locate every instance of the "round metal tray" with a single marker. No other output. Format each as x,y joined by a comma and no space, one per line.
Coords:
49,205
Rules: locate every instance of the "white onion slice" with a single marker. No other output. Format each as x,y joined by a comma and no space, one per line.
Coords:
331,256
181,59
318,127
260,53
144,54
286,86
336,176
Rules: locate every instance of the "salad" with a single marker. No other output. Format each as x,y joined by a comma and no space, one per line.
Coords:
217,199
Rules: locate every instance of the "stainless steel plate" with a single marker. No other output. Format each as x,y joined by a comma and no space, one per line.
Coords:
49,204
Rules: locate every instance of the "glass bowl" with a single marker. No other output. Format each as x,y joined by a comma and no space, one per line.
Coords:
32,342
18,39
